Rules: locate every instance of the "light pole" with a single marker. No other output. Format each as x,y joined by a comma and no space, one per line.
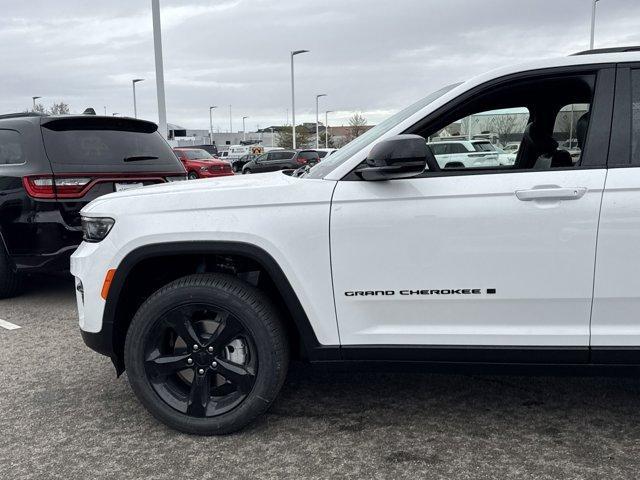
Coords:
34,102
211,124
317,121
593,23
244,132
230,121
157,47
293,97
272,136
326,128
135,106
105,111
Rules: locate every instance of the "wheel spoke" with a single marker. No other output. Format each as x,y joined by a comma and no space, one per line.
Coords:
199,395
180,322
226,331
164,365
239,375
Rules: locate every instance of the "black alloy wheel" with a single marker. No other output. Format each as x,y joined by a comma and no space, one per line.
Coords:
207,353
200,360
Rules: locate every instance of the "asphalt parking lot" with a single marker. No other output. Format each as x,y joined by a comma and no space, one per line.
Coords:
63,414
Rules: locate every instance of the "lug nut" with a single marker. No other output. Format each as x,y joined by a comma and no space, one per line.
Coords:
195,347
210,349
214,364
190,361
201,371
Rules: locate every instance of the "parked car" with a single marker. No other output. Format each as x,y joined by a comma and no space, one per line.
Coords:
325,152
464,154
511,148
281,160
203,292
51,167
201,164
242,161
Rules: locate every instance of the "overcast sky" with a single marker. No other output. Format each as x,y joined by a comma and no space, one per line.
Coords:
371,56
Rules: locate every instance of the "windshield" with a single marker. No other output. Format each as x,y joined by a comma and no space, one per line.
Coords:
197,154
343,154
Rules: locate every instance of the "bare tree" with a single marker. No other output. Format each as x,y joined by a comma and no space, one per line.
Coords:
505,125
60,108
357,124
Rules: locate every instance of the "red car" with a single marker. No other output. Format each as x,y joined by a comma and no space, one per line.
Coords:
201,164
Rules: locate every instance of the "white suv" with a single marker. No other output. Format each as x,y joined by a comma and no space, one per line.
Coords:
204,290
464,154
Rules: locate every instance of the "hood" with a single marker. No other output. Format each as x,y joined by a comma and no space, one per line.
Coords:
221,192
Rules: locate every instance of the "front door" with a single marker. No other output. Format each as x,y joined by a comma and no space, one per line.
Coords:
499,257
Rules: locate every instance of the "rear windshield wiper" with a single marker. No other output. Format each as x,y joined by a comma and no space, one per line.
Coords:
140,158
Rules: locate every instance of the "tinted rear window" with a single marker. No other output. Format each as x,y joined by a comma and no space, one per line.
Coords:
483,147
308,155
102,149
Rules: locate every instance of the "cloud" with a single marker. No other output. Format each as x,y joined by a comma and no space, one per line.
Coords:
371,56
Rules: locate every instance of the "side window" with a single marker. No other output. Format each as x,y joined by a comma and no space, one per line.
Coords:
486,130
458,148
570,129
438,148
635,117
11,152
547,117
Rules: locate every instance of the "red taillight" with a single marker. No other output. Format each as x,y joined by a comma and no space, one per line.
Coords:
52,187
39,187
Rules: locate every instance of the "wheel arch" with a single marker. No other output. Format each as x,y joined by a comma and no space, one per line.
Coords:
196,257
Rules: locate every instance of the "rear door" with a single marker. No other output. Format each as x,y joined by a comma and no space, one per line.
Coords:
615,323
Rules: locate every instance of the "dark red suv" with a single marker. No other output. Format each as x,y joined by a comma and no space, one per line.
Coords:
201,164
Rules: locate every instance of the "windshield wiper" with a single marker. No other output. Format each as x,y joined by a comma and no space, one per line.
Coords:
140,158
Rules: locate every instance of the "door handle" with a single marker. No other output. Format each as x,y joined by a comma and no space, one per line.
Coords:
551,193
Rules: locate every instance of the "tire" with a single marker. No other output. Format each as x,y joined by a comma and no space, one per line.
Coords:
192,176
265,338
246,170
10,281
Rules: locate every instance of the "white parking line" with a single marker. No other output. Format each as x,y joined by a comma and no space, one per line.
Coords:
8,325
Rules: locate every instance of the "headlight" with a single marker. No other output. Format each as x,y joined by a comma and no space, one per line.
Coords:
203,169
96,229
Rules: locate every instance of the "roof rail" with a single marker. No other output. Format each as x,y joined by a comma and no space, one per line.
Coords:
23,114
607,50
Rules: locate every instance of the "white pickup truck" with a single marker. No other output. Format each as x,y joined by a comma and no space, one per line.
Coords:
204,290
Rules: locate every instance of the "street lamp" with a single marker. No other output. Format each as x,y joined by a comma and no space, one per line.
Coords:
293,97
244,132
157,48
317,121
230,121
326,128
34,102
211,125
593,22
135,106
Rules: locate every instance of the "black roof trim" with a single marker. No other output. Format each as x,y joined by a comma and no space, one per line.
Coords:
23,114
608,50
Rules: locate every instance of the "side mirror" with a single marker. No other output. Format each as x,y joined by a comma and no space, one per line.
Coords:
402,156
